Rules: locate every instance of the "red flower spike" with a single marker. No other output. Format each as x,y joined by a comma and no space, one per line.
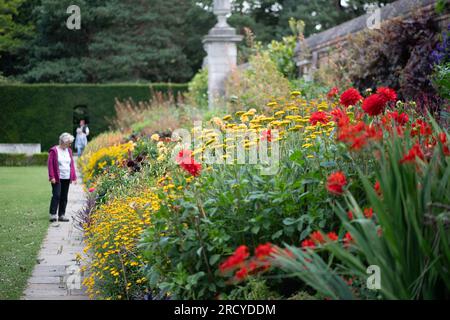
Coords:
332,236
308,244
336,182
368,213
340,117
415,152
350,215
317,237
347,239
334,92
263,250
238,257
318,116
420,127
377,188
242,273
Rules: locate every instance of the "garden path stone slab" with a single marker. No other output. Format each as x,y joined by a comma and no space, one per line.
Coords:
57,274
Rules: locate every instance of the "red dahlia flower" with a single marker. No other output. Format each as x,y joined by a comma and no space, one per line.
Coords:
374,104
318,116
336,182
350,97
188,163
389,94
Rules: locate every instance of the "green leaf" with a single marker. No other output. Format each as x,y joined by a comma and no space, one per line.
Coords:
277,234
214,258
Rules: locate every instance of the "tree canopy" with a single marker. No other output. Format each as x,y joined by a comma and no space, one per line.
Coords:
140,40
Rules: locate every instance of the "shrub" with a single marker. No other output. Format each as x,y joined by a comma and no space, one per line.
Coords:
441,80
21,160
24,107
249,88
197,94
159,115
394,56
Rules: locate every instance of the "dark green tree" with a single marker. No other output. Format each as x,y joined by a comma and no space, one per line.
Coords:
12,32
158,40
128,40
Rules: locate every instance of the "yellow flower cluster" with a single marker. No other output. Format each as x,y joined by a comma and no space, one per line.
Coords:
251,127
92,164
111,238
162,151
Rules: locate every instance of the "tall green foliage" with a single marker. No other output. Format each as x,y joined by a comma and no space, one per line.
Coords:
412,250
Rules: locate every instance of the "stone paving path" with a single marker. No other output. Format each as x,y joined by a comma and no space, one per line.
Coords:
57,274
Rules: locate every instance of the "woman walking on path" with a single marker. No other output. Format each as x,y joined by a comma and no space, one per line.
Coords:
61,172
80,142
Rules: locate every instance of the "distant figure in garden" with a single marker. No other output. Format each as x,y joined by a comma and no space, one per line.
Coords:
61,172
84,128
80,141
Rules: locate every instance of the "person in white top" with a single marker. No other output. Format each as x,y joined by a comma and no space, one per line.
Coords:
84,128
61,172
80,142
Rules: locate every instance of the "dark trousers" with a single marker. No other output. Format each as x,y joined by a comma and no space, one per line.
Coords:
59,197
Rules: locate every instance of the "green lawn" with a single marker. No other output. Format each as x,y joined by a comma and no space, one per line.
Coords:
24,200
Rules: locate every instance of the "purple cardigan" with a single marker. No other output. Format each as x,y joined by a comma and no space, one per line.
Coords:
53,167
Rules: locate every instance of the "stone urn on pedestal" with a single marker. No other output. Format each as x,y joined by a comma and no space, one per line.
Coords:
220,44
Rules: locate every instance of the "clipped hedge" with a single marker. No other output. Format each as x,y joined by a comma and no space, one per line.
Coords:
39,113
23,160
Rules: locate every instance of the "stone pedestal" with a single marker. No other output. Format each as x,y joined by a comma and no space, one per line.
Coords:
220,44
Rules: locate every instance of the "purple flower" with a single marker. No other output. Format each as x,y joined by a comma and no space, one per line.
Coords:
442,52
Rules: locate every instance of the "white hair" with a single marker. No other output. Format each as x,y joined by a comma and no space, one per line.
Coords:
66,138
